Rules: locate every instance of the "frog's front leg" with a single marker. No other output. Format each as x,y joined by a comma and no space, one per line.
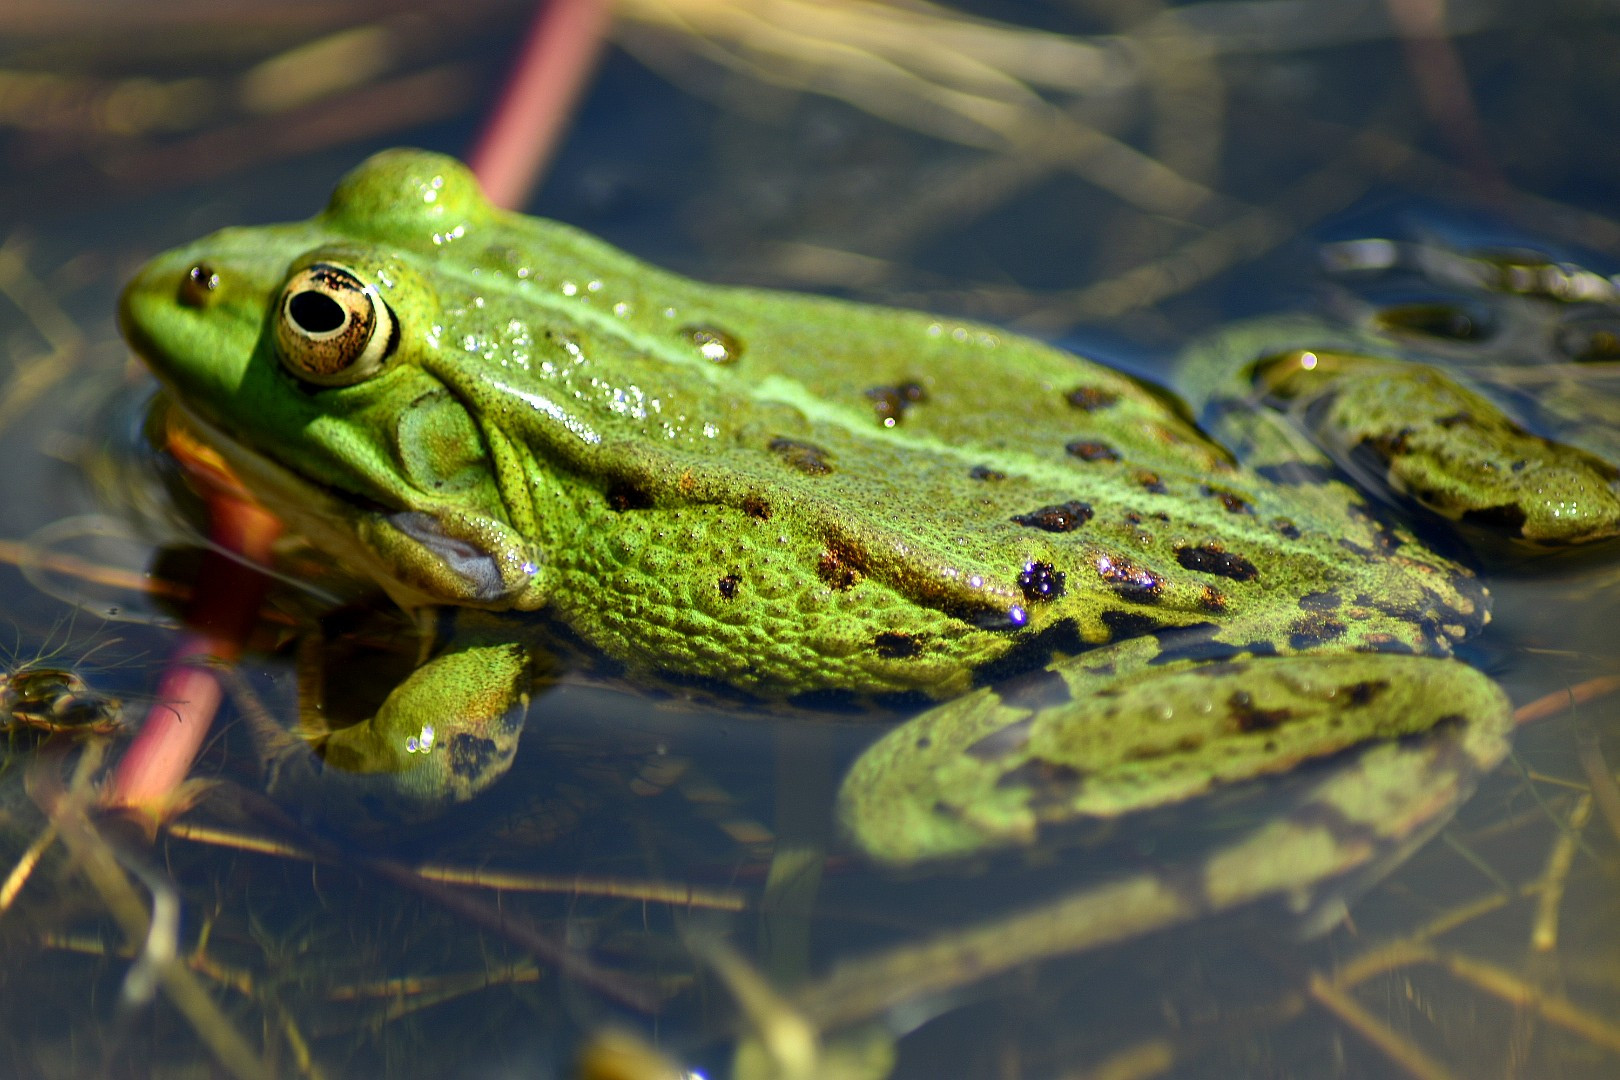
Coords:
1105,733
444,734
1427,437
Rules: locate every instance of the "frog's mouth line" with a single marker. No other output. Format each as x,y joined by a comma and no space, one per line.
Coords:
326,517
350,526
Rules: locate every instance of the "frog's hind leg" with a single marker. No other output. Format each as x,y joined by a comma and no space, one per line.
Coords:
993,768
1417,432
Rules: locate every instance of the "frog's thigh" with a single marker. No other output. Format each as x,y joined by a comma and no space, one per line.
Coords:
445,733
985,771
1451,449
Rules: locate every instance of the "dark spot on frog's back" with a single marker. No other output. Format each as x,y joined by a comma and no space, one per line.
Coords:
893,645
1321,601
471,755
1212,558
807,458
1041,582
1090,398
1362,693
1086,450
756,507
1231,503
891,403
1061,518
985,472
1285,529
839,567
728,586
1128,580
1314,629
1246,717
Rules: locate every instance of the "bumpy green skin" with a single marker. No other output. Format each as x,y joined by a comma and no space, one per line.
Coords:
790,495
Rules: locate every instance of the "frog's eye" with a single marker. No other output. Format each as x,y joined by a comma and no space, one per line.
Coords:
332,329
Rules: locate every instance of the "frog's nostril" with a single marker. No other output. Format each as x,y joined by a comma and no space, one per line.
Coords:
197,287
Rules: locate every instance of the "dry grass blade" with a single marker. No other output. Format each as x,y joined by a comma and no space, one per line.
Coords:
1544,931
24,867
33,377
994,61
98,862
1407,1057
483,877
936,72
1598,774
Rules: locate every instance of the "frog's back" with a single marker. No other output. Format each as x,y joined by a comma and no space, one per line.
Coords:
792,493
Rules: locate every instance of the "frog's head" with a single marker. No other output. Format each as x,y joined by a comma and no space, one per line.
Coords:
304,353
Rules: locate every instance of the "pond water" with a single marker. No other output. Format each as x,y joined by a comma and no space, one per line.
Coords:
1119,178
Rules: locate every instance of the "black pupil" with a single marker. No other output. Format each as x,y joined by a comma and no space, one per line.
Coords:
315,313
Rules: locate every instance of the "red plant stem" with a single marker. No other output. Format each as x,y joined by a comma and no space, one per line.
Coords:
1437,71
222,612
557,57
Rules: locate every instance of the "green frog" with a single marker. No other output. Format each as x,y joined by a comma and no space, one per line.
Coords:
1100,604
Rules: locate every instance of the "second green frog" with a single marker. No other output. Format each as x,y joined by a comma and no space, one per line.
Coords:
793,498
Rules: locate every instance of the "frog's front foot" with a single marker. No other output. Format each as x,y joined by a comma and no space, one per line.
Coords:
441,737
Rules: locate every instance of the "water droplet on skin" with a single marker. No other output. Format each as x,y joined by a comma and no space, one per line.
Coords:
713,344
